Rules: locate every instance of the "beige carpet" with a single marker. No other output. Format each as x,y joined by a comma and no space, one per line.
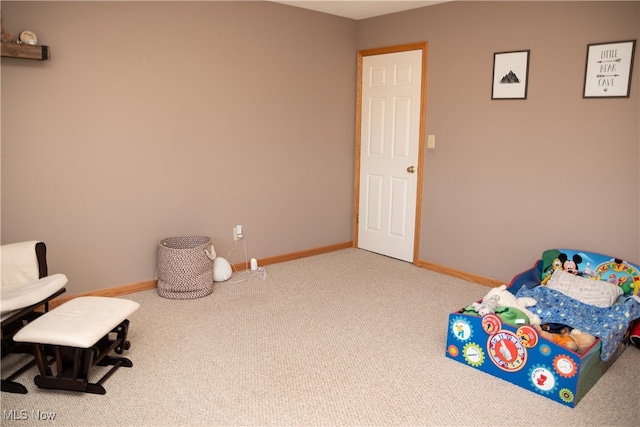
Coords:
346,338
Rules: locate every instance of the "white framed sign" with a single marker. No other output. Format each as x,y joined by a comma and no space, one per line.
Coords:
608,69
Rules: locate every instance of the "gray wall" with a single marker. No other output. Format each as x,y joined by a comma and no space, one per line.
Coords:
156,119
511,178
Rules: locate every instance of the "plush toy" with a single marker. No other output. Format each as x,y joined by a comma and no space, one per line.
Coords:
556,265
583,340
571,339
512,316
488,305
500,296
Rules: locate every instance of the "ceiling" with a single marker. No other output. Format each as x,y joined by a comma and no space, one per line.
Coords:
359,9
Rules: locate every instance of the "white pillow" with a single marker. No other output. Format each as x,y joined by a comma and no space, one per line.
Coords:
593,292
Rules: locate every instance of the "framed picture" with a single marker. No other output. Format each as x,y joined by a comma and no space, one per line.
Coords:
608,70
510,75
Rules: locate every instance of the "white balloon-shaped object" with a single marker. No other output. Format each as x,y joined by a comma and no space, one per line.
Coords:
221,269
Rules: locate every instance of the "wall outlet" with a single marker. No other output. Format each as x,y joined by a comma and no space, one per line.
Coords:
237,232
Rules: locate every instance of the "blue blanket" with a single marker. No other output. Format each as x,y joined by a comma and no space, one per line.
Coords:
608,324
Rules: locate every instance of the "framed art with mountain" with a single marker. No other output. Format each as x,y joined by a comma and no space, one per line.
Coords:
510,75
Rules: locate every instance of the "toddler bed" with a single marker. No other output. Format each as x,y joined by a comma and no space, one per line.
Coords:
594,293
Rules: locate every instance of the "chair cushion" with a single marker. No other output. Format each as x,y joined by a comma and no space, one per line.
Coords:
19,263
16,297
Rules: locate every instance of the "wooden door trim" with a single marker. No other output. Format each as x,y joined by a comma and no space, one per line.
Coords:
423,46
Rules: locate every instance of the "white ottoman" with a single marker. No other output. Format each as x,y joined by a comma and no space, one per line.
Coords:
78,335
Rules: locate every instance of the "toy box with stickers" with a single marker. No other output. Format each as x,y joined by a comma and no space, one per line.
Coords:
512,343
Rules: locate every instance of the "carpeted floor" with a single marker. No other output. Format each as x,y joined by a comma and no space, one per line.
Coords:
345,338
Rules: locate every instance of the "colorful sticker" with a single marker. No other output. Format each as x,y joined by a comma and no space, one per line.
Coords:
491,324
545,349
473,354
506,351
528,336
565,366
542,379
461,329
566,395
453,350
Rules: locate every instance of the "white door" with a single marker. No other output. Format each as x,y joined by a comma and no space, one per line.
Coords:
390,150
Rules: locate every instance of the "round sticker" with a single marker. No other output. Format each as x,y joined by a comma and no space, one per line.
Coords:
565,366
543,379
461,329
566,395
528,336
491,324
473,354
453,351
506,351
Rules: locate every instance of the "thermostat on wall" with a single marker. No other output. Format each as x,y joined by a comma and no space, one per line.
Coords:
28,37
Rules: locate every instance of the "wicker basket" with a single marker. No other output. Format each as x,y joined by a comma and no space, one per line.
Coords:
183,269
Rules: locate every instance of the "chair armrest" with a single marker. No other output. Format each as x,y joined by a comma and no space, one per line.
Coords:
19,296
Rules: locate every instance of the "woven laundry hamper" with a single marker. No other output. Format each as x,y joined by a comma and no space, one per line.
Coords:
183,269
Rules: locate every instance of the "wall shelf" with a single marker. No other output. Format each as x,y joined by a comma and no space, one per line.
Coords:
25,51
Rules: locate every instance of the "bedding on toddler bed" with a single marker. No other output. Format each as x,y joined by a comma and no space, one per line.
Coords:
607,323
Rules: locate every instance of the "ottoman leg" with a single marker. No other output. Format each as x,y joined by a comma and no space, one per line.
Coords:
71,369
73,364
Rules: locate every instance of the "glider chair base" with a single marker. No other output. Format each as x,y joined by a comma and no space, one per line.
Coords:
73,365
10,386
69,341
10,326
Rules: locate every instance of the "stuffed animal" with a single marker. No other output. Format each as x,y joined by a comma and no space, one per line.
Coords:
571,339
556,265
488,305
512,316
583,340
500,296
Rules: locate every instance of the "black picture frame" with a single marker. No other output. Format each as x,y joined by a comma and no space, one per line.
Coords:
608,69
510,75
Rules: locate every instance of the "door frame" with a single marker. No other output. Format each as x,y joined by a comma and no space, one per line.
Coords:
423,46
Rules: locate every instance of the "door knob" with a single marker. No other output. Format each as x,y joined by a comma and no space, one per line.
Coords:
411,169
